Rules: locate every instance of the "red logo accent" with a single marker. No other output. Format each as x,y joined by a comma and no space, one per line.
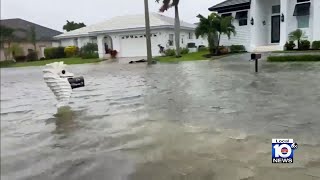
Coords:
284,150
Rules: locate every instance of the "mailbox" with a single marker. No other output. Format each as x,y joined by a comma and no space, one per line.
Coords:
255,56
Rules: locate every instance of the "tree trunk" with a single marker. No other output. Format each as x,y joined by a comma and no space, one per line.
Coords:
148,34
218,43
177,30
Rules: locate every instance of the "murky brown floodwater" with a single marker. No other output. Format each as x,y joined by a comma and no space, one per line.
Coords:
194,120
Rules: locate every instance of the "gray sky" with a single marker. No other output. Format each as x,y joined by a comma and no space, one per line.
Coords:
54,13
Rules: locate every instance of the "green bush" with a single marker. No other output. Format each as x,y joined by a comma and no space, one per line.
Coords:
304,45
316,45
170,52
184,51
32,55
71,51
20,58
89,51
6,63
294,58
237,48
289,45
54,53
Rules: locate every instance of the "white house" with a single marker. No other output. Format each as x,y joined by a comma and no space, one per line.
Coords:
264,25
126,34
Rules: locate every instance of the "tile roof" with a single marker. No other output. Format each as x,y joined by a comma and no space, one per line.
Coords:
126,23
228,3
43,33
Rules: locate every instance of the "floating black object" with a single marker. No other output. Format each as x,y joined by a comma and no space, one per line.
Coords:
76,82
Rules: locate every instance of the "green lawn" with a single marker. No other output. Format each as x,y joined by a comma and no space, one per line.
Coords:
44,62
189,57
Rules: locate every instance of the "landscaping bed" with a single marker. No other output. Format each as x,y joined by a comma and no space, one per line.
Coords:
296,58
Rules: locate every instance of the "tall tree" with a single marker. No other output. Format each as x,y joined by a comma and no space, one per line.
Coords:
166,4
206,29
6,35
148,33
71,25
217,25
33,37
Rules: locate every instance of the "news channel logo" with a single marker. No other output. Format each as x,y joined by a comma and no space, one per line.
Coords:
283,150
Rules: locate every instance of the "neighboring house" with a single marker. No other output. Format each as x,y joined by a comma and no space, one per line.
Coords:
44,36
126,34
264,25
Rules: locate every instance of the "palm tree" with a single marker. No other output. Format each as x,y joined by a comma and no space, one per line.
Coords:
166,4
216,25
297,35
33,37
206,29
7,36
148,34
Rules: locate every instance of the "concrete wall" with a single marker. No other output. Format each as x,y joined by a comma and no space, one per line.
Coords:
243,35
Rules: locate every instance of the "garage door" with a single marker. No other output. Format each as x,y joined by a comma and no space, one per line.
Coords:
135,46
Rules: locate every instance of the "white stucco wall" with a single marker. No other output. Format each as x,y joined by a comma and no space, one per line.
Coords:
242,36
316,20
67,42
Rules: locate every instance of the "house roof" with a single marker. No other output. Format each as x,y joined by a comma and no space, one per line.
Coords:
125,24
228,3
42,33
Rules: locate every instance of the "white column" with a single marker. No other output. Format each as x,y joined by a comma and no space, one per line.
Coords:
284,25
100,42
253,14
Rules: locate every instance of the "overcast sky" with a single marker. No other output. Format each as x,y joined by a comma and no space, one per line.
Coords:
54,13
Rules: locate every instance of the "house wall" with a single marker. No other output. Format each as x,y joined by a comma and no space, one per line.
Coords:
242,36
25,46
316,21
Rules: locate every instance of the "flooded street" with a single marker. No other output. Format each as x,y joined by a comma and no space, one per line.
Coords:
208,120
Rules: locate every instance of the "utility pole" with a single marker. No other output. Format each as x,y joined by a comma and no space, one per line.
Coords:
148,34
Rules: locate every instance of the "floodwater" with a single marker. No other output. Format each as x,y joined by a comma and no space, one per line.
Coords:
208,120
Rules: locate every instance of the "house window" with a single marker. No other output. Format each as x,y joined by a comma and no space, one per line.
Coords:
302,9
190,35
226,15
276,9
303,21
242,17
171,37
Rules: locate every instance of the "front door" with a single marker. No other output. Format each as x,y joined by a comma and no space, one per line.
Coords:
275,29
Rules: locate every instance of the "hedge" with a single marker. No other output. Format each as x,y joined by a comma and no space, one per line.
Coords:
294,58
54,53
316,45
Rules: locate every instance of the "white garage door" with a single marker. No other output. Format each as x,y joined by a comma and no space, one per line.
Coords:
135,46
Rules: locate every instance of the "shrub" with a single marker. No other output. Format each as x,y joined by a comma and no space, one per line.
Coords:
237,48
184,51
90,56
289,45
316,45
113,53
6,63
294,58
223,50
42,58
170,52
191,45
89,51
20,58
305,45
32,55
54,53
71,51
